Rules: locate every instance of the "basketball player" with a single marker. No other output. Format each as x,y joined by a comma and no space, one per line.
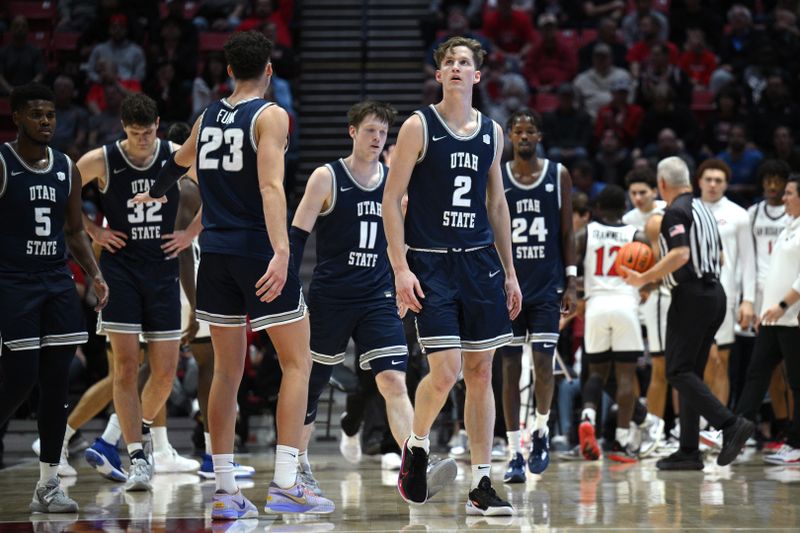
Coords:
237,145
738,270
538,196
457,228
40,313
613,331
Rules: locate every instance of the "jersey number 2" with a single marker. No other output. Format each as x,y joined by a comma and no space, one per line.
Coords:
606,256
211,139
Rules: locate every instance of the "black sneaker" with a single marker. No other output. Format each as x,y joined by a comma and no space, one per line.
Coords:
413,481
681,460
484,501
734,437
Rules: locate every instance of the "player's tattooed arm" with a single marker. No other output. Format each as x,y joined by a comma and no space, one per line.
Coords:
78,242
570,298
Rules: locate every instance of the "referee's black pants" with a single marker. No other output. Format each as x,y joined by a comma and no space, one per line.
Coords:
773,344
696,312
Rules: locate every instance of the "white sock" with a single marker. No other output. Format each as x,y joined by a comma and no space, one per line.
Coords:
223,471
589,414
285,466
703,423
540,423
622,435
68,433
479,472
112,432
47,471
514,444
160,439
207,438
415,441
302,460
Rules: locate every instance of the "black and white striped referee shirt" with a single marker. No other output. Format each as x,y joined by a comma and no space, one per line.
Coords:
687,222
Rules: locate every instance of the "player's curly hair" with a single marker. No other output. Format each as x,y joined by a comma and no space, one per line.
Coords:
774,167
478,53
383,111
248,53
526,113
20,96
611,199
138,110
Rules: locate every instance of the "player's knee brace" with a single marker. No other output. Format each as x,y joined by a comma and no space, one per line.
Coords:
320,376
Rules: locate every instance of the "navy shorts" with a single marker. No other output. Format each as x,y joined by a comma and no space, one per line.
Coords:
537,324
375,327
226,294
144,298
465,302
40,309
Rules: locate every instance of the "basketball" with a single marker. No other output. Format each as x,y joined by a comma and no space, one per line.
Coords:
635,255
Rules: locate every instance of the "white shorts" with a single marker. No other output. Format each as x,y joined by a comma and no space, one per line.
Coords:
612,323
654,317
725,333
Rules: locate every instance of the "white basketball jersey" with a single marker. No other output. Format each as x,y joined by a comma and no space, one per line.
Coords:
766,222
600,276
638,219
730,219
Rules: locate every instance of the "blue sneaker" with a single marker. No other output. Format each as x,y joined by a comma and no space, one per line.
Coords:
226,506
516,470
296,499
104,458
207,469
540,453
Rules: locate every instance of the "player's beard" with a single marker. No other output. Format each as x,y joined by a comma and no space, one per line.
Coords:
526,153
33,139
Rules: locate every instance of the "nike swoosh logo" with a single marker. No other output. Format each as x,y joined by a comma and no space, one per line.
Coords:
311,413
547,345
295,499
240,505
344,189
506,190
118,170
493,274
18,172
396,362
439,138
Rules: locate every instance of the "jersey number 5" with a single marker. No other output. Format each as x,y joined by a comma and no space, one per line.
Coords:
211,139
606,257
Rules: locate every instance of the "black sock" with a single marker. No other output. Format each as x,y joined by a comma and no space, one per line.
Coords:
138,454
145,429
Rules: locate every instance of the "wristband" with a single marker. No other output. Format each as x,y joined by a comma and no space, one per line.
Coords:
783,305
571,270
168,176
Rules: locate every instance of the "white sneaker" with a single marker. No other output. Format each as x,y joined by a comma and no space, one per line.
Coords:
459,445
785,456
350,446
169,461
499,449
138,476
64,468
390,461
711,438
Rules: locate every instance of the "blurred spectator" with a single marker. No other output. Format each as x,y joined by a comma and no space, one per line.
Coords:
169,93
739,46
457,25
620,115
20,62
776,108
175,15
669,145
213,84
659,71
282,57
126,55
639,53
666,113
582,173
567,130
172,47
716,134
606,34
72,125
76,15
743,161
631,24
595,10
613,161
435,19
106,127
96,96
220,15
263,12
510,30
784,148
551,62
697,61
785,39
513,95
431,92
594,85
694,14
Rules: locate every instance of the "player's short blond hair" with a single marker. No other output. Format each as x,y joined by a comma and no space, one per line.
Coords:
478,53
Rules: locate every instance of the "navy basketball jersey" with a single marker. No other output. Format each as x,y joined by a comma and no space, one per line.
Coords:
447,190
227,170
352,263
33,206
535,211
144,224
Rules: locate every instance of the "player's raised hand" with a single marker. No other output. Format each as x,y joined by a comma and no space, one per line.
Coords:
408,288
177,241
101,290
144,197
513,297
270,285
110,239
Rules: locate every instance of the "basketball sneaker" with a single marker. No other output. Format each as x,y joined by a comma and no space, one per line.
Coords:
622,454
226,506
104,458
306,477
711,438
484,501
296,499
588,441
50,498
786,456
516,470
139,475
441,473
207,469
169,462
774,445
350,447
412,481
390,461
734,437
681,460
539,458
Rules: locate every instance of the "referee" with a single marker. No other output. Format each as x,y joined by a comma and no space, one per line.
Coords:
691,257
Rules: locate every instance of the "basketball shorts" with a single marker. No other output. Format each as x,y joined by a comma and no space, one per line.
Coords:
654,315
40,309
725,335
612,326
374,326
465,302
537,324
144,298
226,294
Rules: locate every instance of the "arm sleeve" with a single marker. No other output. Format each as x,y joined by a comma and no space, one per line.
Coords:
297,245
675,228
168,176
747,258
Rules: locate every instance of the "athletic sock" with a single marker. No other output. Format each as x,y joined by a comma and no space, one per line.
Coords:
136,451
302,460
514,444
113,431
68,433
207,439
285,466
540,423
415,441
160,439
47,471
622,435
479,472
589,414
223,472
146,426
